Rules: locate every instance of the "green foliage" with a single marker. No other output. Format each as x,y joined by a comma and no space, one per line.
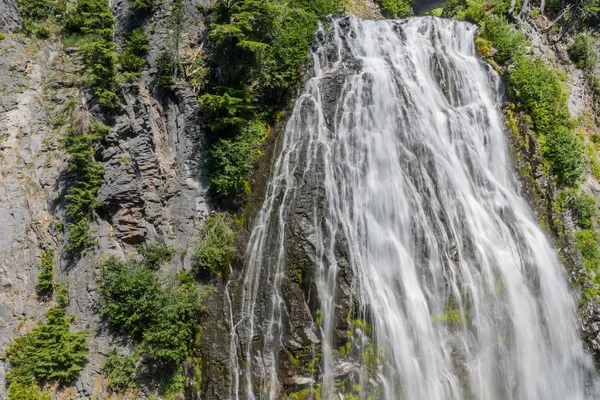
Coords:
100,58
581,204
542,92
583,51
153,255
94,19
120,370
133,59
128,295
509,42
51,352
217,246
159,314
140,5
564,150
396,8
26,391
168,339
231,159
165,67
87,176
255,59
35,10
587,243
46,273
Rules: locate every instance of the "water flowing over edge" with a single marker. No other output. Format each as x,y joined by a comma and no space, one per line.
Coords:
396,154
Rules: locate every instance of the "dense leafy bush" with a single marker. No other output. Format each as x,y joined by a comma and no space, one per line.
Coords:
509,42
216,247
396,8
165,67
133,59
128,295
542,92
255,59
564,150
46,273
87,176
587,243
168,339
159,314
51,352
583,51
100,58
26,391
120,370
231,158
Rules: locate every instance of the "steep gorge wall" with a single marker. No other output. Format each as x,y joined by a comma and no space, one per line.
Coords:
153,184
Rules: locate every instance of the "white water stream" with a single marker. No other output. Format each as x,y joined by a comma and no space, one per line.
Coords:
465,294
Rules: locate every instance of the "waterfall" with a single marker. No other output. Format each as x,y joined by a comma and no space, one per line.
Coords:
397,158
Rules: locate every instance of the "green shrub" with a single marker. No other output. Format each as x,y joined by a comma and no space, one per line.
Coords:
100,58
581,205
87,175
587,243
542,91
217,246
231,159
160,315
153,255
165,67
120,370
90,17
509,42
168,339
128,295
133,59
46,273
140,4
584,207
26,391
583,51
2,36
396,8
35,10
93,20
564,150
51,352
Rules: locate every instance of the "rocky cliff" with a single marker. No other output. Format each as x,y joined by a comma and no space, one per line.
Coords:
153,184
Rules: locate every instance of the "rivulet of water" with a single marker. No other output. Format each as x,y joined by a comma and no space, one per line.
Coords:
465,295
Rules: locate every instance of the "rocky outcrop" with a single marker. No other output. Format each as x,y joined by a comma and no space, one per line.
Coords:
9,16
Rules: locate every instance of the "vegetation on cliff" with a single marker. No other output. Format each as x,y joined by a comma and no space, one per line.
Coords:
159,313
50,352
257,49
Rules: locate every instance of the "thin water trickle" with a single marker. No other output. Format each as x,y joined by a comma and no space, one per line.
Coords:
400,132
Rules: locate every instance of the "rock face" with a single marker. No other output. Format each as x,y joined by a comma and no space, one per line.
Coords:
153,188
9,16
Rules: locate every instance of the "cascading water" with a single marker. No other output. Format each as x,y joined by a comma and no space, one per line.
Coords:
412,194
